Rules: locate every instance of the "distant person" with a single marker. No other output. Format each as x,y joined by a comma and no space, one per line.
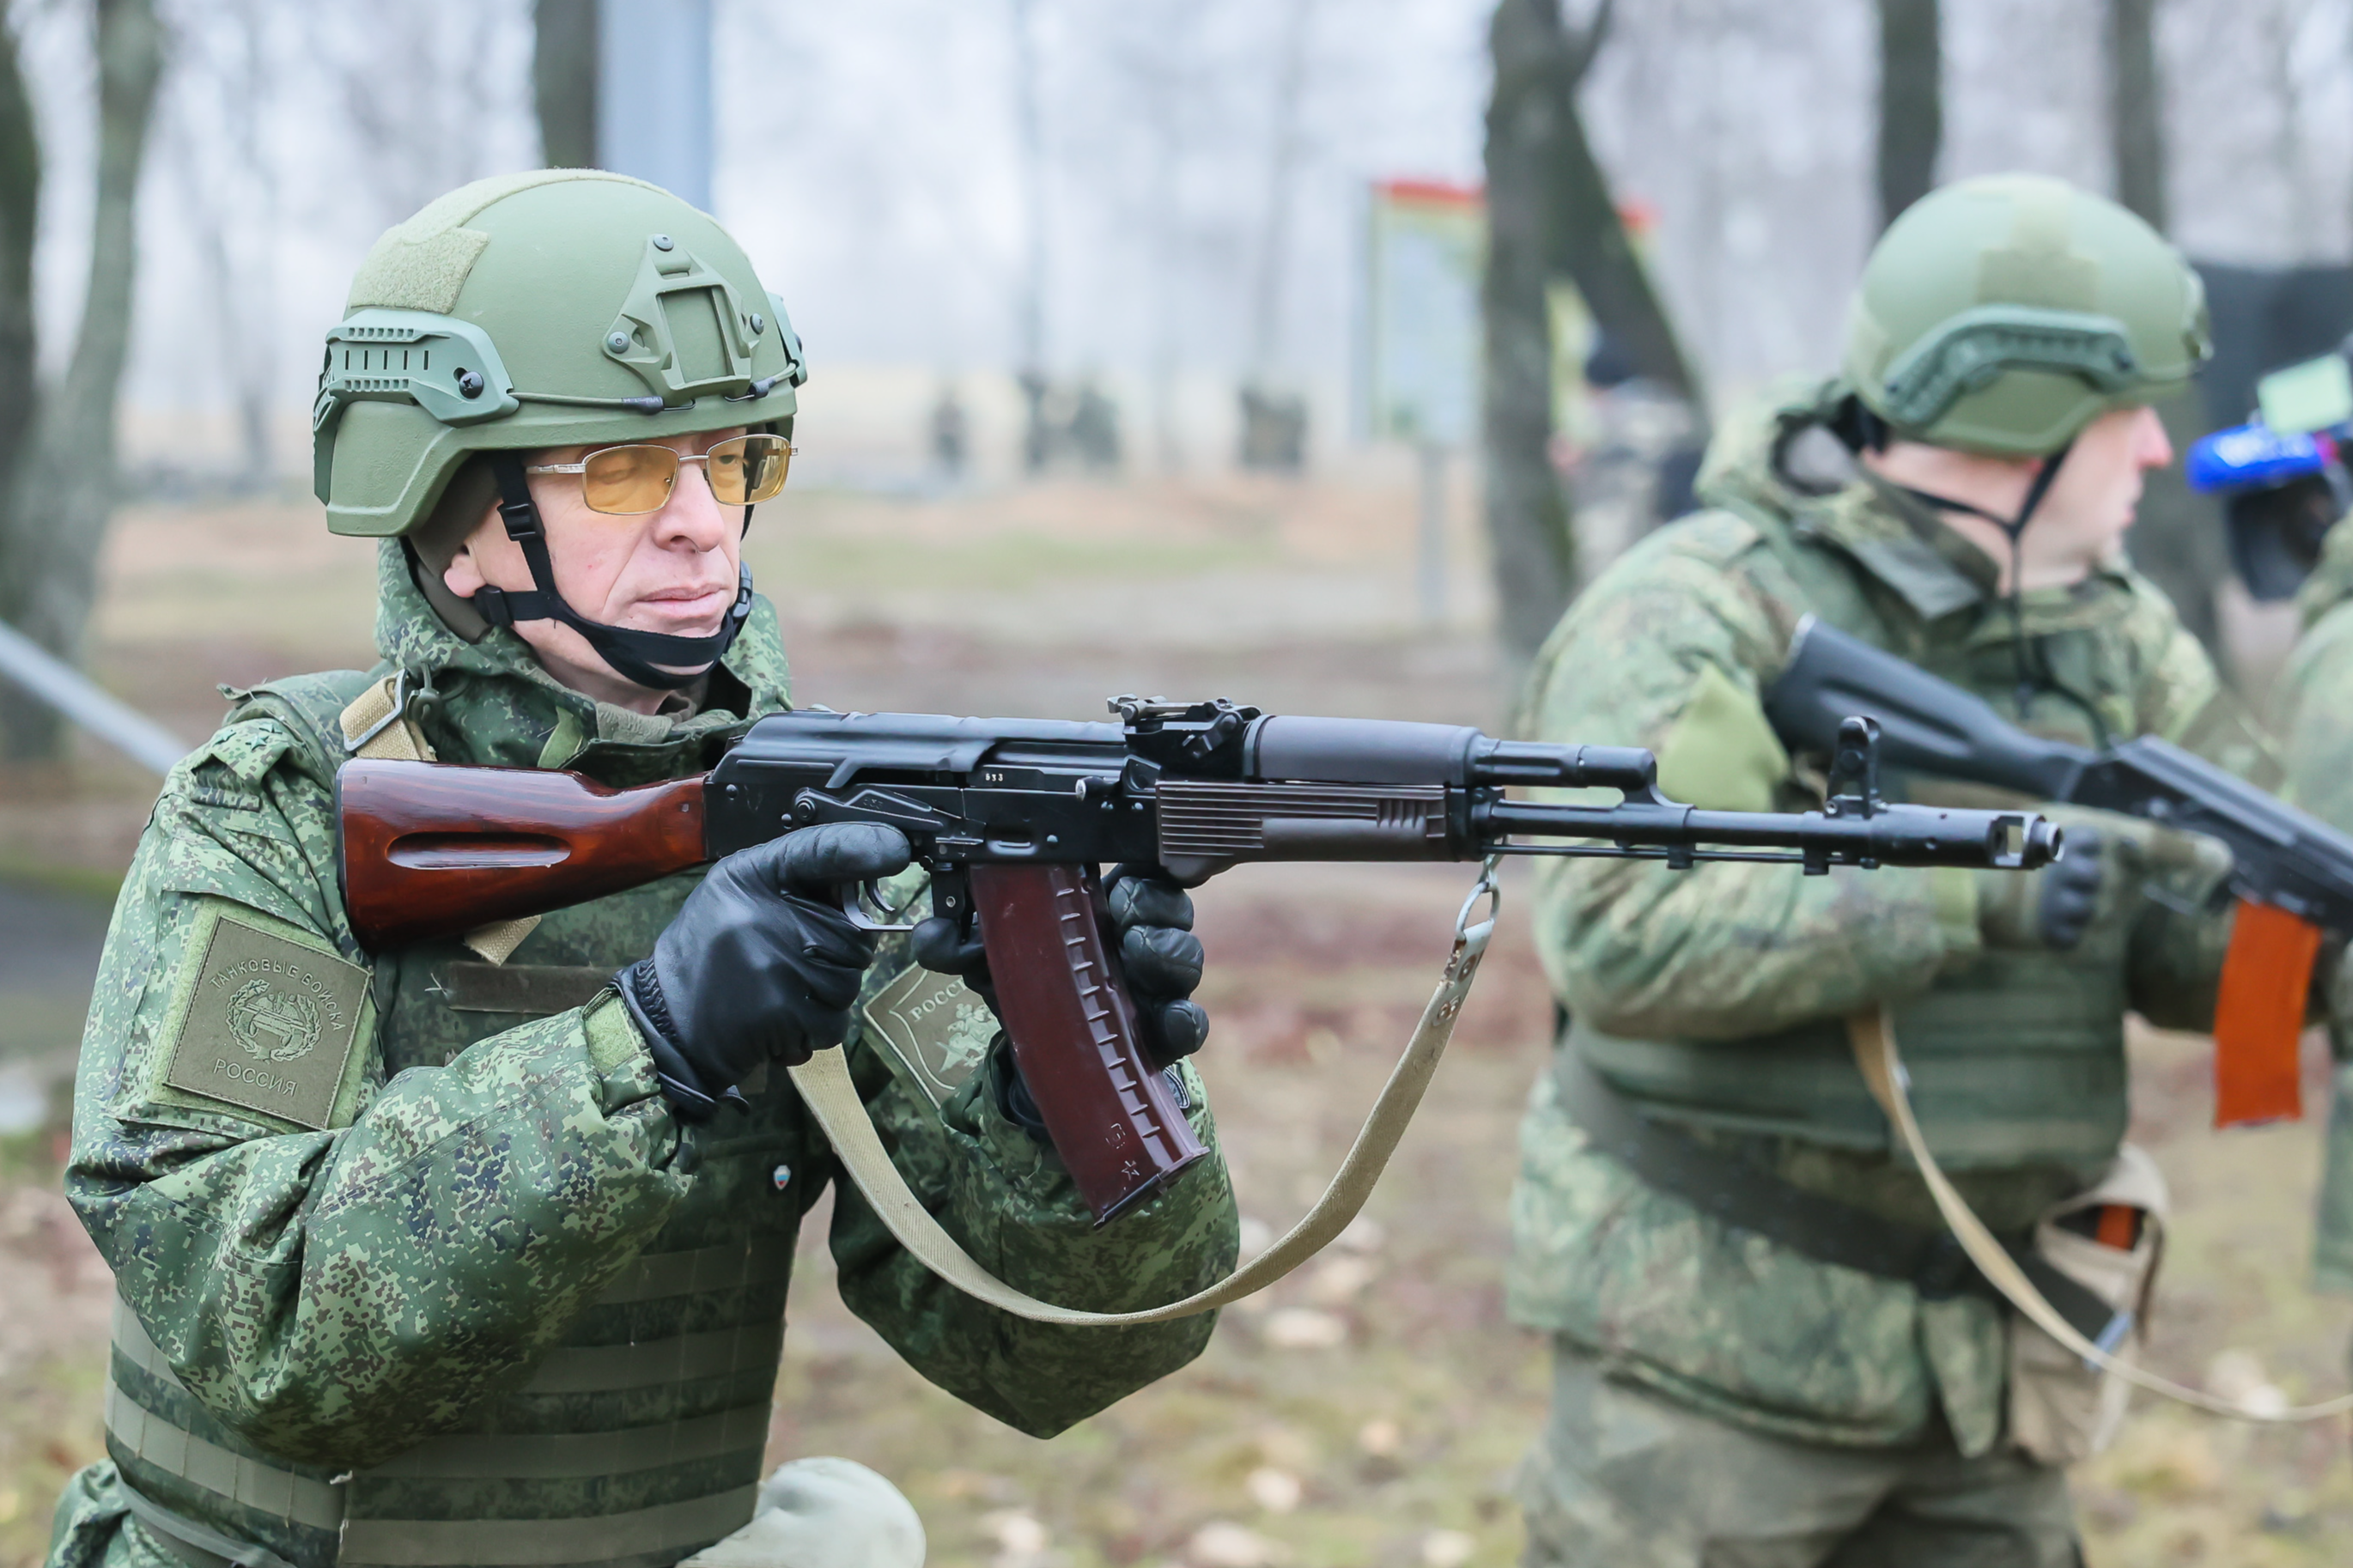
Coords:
1039,434
1094,427
1274,430
476,1252
2317,724
951,433
1823,1379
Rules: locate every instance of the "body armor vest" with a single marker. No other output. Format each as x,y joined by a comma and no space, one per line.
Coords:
2016,1060
635,1443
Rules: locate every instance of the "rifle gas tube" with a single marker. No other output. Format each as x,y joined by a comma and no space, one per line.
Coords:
2292,873
1012,816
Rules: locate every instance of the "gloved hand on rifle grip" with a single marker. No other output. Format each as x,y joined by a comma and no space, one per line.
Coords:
1159,957
760,963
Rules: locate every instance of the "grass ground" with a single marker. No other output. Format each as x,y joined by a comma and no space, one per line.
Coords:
1369,1410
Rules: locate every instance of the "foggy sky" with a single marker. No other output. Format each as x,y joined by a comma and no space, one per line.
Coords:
867,159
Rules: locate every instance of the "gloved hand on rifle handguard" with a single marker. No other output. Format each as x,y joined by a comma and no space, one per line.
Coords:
1158,957
2112,865
760,964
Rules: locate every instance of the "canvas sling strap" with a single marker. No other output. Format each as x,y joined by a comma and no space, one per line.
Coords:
825,1086
376,726
1872,1037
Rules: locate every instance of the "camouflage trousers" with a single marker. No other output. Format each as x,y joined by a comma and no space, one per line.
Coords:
93,1527
1624,1478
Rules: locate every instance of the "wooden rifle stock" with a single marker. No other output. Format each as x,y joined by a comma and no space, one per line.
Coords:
432,851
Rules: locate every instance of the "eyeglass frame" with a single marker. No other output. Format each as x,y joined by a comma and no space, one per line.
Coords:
581,467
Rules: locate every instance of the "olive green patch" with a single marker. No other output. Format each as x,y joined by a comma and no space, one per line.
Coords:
937,1029
1722,754
531,990
269,1024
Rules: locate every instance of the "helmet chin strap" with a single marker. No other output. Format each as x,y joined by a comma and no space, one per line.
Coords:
2014,529
635,656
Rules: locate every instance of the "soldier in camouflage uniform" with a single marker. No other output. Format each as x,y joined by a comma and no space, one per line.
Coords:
2317,727
445,1254
1731,1396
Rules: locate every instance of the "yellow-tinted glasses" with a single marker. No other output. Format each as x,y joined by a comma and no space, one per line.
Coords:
626,482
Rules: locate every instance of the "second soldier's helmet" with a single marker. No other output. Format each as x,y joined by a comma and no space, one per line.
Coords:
2003,314
559,308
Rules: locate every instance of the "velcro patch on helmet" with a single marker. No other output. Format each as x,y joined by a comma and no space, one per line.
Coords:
420,275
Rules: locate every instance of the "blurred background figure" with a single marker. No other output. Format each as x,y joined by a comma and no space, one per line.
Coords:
1274,430
1091,429
951,433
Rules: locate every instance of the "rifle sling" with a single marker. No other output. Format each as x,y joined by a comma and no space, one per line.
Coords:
1873,1040
1748,1197
825,1088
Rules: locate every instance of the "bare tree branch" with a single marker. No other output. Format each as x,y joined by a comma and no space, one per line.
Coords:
63,493
1585,43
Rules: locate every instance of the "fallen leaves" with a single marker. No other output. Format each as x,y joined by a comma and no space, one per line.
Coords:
1276,1491
1222,1543
1304,1329
1447,1549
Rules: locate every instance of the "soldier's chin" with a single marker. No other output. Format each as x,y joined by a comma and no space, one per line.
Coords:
702,623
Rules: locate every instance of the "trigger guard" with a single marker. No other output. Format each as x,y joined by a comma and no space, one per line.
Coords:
862,902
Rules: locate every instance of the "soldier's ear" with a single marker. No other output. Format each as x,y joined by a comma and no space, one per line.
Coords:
463,575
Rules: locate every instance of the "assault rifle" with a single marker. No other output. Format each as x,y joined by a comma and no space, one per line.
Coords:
1012,817
2292,872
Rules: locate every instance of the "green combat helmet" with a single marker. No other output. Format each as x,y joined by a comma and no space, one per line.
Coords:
559,308
2003,314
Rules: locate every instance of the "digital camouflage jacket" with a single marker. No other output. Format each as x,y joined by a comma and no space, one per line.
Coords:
2316,729
416,1265
1714,998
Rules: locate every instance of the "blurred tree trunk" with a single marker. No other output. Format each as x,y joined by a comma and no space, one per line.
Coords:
1911,103
563,81
2136,108
61,493
2177,537
20,192
1588,244
2177,534
1533,554
1550,213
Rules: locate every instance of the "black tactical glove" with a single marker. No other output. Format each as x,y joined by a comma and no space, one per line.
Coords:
2115,867
2052,908
760,963
2071,891
1157,952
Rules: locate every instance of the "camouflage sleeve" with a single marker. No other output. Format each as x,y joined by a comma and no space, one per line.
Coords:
335,1266
1011,1204
1669,650
2174,957
2317,716
2316,712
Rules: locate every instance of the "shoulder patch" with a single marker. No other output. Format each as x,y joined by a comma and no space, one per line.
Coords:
250,748
1718,535
936,1030
269,1024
